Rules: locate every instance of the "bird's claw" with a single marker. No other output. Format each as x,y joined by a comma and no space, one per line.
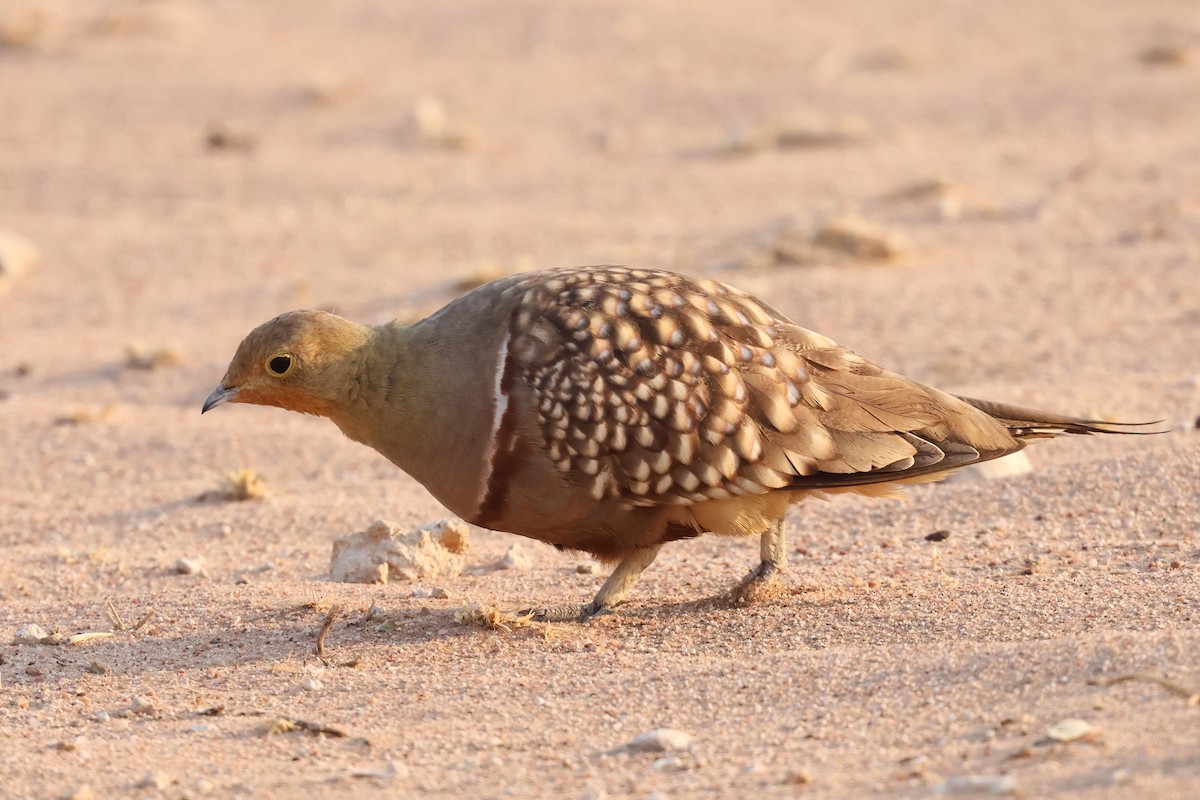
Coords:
763,582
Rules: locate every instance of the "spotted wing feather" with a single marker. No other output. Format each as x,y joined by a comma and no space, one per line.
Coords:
660,389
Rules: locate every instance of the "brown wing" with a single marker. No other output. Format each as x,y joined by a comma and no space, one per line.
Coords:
662,389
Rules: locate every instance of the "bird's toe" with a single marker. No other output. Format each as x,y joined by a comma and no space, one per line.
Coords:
765,582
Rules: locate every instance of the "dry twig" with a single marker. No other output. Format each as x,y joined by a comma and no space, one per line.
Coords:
325,626
114,616
1190,697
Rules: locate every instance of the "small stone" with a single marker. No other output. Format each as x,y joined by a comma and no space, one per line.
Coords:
859,239
792,131
203,787
976,784
312,685
30,634
1169,54
102,716
383,552
515,558
430,118
660,740
82,793
189,566
439,593
100,668
18,256
229,136
142,705
34,671
937,536
798,777
1070,730
800,132
1034,565
432,124
155,780
28,29
141,356
668,764
1016,464
327,88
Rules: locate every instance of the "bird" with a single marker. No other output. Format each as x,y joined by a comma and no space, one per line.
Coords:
612,410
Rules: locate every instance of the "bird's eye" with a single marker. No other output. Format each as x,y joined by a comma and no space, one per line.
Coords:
280,365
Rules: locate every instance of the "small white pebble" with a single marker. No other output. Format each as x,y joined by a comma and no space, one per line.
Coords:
202,787
18,255
142,705
1068,730
154,780
661,740
189,566
312,685
1009,466
976,784
515,558
30,634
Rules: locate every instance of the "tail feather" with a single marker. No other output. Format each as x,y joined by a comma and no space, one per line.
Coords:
1029,423
936,457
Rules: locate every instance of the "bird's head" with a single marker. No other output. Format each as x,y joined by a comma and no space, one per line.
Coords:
301,361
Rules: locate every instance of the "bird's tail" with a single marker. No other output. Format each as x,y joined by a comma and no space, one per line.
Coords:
1028,423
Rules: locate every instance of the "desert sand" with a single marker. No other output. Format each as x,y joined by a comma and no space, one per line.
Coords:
186,170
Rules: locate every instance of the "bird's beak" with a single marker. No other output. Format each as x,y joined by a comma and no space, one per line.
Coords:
221,394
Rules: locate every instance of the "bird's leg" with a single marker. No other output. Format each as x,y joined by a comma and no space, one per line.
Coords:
611,593
764,579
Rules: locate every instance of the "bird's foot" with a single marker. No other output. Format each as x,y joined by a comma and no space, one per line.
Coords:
568,613
763,583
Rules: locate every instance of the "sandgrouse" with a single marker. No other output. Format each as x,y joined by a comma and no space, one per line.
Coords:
611,410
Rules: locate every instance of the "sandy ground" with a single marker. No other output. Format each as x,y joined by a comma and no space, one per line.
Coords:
189,169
